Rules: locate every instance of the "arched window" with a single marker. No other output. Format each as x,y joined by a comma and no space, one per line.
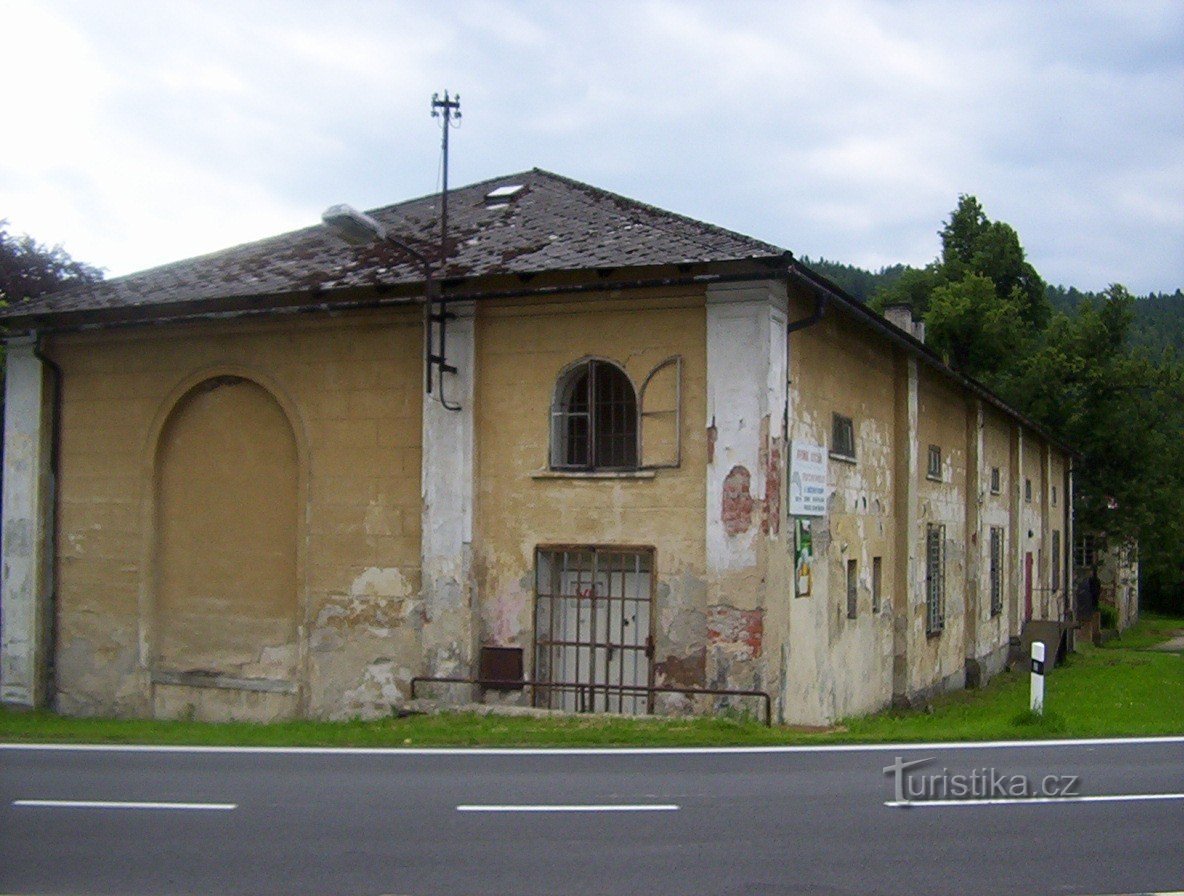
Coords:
594,419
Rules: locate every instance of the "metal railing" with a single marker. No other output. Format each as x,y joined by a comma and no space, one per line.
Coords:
592,689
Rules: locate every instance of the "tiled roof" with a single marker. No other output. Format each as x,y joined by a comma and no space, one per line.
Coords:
552,224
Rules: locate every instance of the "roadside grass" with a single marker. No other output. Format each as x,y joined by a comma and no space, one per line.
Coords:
1120,689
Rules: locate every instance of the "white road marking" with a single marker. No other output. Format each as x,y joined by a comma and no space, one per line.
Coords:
1027,801
636,807
120,804
596,751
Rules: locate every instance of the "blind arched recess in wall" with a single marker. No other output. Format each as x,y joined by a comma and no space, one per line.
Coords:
226,515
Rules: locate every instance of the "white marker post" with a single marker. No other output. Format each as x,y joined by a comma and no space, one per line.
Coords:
1037,701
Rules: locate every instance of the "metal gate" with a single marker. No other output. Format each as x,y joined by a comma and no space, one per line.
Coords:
593,642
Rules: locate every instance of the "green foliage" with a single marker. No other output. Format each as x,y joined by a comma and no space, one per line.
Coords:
913,288
1158,323
29,269
976,329
1110,691
855,281
1101,371
973,244
1109,616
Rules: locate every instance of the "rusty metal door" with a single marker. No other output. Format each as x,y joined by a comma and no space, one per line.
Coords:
593,629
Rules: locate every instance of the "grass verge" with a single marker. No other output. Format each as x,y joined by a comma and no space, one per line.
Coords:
1121,689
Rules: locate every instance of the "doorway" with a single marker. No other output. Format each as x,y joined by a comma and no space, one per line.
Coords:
593,638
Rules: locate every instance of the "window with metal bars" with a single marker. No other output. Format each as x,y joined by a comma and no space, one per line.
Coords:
933,471
996,570
842,437
852,589
592,622
594,419
935,578
1056,560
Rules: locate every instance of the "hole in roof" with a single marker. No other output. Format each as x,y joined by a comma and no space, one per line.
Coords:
502,195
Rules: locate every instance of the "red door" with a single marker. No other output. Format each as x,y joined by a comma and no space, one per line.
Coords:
1028,585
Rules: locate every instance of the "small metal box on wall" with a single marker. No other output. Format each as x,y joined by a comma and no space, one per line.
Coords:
501,668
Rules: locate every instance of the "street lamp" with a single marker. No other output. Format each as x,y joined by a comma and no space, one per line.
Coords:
360,229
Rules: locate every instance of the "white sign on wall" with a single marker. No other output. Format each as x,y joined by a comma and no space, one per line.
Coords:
807,480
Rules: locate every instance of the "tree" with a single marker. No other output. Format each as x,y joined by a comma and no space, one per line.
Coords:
29,269
1124,412
973,246
978,332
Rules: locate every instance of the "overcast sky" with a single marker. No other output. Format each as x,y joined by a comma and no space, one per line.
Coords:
142,133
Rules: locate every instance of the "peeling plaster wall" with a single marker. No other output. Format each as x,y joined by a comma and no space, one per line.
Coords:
27,535
937,661
351,389
448,503
1032,535
987,646
522,346
839,666
745,515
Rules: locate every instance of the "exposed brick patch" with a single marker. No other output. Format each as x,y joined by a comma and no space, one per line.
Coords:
683,671
737,501
740,632
771,506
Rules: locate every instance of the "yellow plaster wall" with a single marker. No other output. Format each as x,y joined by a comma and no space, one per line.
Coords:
994,510
351,390
522,347
839,666
941,421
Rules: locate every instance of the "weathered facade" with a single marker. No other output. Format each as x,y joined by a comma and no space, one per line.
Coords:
227,493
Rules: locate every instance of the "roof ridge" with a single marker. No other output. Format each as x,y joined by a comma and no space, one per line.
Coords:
451,190
686,219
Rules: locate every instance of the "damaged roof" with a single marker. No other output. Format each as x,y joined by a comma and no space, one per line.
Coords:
548,224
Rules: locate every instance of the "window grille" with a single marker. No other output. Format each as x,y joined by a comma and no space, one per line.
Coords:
934,469
842,437
594,419
1056,560
877,583
935,578
996,570
1027,489
852,589
592,629
996,487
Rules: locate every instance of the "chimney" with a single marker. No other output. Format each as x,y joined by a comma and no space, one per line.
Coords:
900,315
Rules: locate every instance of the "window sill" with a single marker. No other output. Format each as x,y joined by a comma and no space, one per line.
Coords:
933,478
845,458
593,474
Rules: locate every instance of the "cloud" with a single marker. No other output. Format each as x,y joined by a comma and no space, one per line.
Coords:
843,129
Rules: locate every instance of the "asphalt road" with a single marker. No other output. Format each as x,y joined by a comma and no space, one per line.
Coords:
480,822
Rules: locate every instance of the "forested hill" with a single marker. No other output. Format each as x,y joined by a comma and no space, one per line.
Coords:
1158,323
856,281
1159,317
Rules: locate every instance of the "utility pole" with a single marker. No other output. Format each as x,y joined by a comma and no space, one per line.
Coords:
436,313
447,109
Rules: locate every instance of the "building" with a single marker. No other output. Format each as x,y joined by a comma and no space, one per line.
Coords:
656,453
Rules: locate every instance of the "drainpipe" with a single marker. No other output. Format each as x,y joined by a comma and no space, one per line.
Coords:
820,298
51,611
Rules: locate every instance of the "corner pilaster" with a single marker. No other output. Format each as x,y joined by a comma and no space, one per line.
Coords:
26,589
447,489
